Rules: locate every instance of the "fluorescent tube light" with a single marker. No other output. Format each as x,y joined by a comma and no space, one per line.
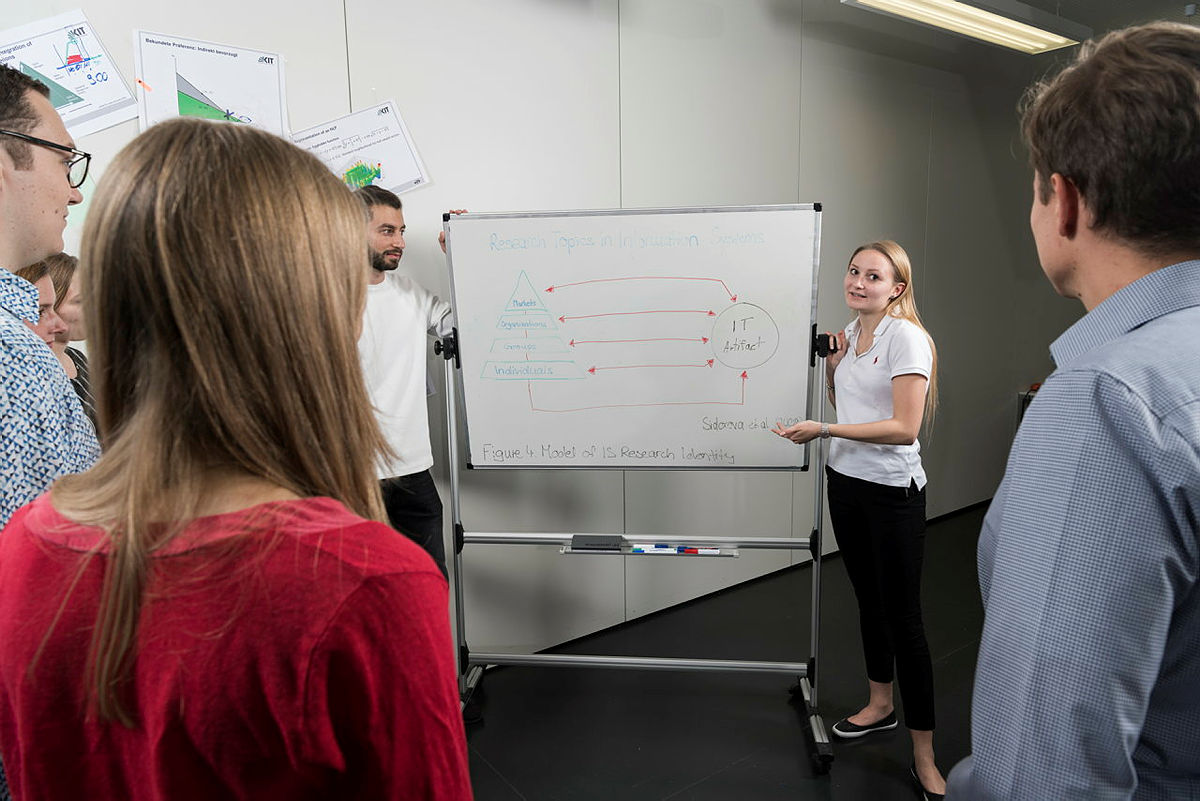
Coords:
1039,31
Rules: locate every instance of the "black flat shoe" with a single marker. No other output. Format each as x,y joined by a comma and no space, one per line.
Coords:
848,731
928,796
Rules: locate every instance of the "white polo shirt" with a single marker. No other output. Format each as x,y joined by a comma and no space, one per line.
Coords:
863,392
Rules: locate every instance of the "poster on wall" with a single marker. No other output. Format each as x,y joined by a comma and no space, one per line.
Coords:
371,146
64,53
179,77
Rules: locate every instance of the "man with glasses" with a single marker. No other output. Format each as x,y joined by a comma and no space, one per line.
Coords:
44,432
77,163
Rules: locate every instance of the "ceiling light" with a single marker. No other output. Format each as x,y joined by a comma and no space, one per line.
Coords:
1006,23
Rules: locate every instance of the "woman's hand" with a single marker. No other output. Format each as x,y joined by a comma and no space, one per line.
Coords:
800,433
835,357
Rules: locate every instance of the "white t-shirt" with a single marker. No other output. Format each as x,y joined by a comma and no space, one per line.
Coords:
863,394
392,348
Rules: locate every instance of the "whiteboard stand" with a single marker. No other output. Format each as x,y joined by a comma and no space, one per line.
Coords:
805,689
471,665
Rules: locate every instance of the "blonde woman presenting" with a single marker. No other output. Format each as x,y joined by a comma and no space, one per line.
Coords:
882,382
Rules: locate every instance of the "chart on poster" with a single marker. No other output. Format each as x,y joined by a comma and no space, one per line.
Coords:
368,147
635,338
64,53
178,77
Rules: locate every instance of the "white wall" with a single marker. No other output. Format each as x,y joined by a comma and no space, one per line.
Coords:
573,104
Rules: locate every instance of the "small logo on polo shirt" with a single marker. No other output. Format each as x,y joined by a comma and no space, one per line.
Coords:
876,360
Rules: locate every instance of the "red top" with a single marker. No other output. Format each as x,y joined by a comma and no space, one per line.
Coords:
308,659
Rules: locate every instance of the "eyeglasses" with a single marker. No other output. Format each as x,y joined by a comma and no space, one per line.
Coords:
77,168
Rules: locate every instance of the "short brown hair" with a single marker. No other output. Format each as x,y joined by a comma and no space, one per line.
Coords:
373,196
33,273
1122,123
17,114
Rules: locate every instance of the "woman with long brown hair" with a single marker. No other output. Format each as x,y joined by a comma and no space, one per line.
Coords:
68,305
882,380
215,609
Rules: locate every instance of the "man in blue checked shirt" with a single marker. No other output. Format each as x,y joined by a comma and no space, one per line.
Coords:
44,433
1088,680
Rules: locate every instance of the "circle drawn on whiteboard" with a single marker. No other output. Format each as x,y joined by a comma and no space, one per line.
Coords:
744,336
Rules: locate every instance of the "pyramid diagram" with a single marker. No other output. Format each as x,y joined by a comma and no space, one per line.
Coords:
529,348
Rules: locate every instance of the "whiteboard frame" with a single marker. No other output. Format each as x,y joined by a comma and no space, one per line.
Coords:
459,386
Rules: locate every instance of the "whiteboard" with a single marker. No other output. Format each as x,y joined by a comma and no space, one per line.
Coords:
646,338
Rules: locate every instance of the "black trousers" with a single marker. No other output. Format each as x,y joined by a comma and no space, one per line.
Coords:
415,510
881,533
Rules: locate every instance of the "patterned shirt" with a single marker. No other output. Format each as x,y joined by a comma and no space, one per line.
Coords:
1088,680
44,433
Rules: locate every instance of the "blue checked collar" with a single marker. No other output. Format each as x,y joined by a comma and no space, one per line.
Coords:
1161,292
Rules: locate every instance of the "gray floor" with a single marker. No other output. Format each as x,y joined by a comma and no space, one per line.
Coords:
565,733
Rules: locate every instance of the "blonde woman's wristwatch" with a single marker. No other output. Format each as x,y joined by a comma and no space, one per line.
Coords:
825,431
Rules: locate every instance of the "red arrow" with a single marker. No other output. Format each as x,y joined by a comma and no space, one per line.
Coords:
575,342
536,408
732,296
708,312
593,370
